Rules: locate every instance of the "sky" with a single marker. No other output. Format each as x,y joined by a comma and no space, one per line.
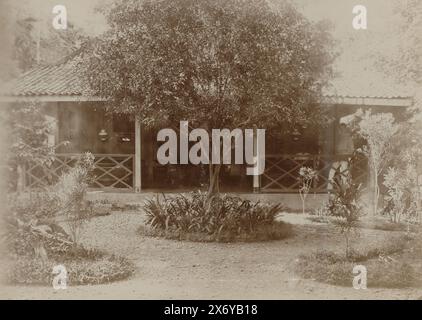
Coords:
357,47
338,12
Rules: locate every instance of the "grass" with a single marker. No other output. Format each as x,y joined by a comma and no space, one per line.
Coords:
374,224
386,265
83,266
276,231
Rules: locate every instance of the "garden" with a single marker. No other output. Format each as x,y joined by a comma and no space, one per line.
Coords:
59,226
205,243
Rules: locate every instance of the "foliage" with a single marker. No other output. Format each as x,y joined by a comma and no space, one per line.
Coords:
34,238
70,193
404,61
400,193
306,177
80,271
330,268
323,210
217,64
36,242
378,130
182,59
32,224
344,204
35,247
405,165
321,214
54,45
383,270
29,132
229,217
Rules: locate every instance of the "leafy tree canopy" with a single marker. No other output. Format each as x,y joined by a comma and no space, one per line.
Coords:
222,63
54,45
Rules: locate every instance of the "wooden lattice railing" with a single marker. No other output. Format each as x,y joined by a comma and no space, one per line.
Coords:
110,171
282,172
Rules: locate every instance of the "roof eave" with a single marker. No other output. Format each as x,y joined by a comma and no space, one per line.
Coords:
327,100
50,98
369,101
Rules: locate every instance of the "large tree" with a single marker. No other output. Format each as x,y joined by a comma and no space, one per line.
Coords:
32,47
404,58
400,55
401,59
217,64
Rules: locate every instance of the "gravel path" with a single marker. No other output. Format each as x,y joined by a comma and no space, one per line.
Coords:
182,270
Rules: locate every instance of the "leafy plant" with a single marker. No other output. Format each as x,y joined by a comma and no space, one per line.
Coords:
30,130
343,205
228,216
383,264
32,225
405,166
34,238
332,268
70,193
306,177
80,270
377,130
402,195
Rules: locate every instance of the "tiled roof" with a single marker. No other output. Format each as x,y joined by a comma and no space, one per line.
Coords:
367,85
64,80
56,80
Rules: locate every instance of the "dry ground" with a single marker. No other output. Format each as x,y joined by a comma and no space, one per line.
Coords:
182,270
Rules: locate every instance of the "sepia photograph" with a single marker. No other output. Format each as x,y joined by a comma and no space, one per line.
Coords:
211,150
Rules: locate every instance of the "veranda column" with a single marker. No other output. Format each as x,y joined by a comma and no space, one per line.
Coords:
256,177
138,155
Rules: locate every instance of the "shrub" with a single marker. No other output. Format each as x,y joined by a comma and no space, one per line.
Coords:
343,205
32,228
382,270
402,194
70,193
229,218
332,268
80,272
29,129
306,177
36,242
377,129
321,214
84,266
35,238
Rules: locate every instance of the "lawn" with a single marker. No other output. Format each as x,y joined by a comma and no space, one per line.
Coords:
169,269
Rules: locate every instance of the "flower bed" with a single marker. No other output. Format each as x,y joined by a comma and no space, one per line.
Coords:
224,218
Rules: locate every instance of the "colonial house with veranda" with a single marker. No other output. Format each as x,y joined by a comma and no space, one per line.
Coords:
125,153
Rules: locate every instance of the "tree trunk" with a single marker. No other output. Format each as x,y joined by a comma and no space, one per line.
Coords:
39,250
214,184
20,185
376,193
303,198
375,189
